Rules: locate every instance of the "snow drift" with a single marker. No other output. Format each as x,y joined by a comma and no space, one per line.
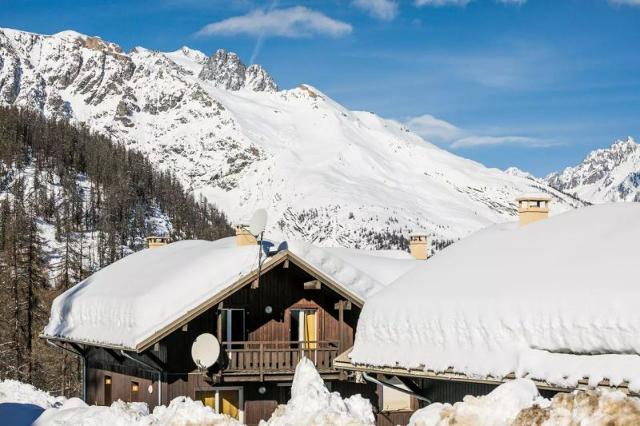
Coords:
312,404
555,300
14,391
517,403
181,411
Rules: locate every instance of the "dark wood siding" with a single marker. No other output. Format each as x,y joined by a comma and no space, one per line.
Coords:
282,289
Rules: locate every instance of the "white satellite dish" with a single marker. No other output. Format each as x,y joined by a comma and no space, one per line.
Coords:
258,222
205,350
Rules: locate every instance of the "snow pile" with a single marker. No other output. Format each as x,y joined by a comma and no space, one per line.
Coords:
312,404
355,269
14,391
500,407
518,403
138,295
184,411
555,300
181,411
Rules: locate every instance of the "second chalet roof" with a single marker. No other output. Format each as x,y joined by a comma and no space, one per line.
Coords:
131,300
555,300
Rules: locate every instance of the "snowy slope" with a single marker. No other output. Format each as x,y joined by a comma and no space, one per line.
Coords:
326,174
554,300
610,174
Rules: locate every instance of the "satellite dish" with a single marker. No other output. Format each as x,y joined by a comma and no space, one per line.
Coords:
258,222
205,350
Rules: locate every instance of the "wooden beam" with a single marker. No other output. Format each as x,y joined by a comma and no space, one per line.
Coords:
219,322
285,265
343,304
255,284
313,285
341,325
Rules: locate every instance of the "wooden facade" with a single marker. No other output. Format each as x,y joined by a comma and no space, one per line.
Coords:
264,328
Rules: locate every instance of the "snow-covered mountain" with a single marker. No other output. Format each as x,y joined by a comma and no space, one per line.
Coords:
325,173
610,174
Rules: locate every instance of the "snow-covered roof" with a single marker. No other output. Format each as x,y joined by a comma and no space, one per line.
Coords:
132,300
555,300
361,272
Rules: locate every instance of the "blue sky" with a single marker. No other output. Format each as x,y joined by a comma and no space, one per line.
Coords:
536,84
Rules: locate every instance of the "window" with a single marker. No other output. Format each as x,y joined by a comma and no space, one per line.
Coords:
227,400
107,391
135,392
233,326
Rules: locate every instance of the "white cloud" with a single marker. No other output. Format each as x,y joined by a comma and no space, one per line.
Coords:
295,21
438,3
433,129
626,2
474,140
442,2
444,133
383,9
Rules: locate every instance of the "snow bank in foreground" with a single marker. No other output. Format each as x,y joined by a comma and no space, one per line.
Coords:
500,407
312,404
181,411
14,391
517,403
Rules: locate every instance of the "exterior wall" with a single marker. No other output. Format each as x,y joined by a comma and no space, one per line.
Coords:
282,289
121,387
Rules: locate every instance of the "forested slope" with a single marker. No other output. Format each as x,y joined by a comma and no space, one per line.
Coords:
71,202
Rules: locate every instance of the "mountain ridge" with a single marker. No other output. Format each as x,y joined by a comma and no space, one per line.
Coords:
605,175
326,174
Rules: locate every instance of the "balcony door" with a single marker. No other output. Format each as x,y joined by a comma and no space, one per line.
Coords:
233,327
304,328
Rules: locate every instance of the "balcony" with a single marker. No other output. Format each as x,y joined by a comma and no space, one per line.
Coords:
276,360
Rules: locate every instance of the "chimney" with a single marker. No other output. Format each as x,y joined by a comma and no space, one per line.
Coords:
244,237
155,242
533,207
419,245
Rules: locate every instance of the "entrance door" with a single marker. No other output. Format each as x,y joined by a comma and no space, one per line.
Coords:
208,398
224,401
230,403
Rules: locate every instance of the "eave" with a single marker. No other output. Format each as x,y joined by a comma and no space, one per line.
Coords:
342,362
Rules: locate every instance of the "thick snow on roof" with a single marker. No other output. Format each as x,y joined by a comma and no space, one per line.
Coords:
138,295
555,300
361,272
131,299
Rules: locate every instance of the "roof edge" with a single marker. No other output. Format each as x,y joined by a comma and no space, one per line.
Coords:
342,362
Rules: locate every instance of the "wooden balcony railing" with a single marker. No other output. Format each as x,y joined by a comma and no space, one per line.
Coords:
273,357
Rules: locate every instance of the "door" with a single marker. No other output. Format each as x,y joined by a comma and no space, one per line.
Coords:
233,328
208,398
224,401
230,403
304,328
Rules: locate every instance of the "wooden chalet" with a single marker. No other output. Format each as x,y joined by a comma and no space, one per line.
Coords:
264,322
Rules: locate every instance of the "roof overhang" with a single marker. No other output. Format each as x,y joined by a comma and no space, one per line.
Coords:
245,280
342,362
